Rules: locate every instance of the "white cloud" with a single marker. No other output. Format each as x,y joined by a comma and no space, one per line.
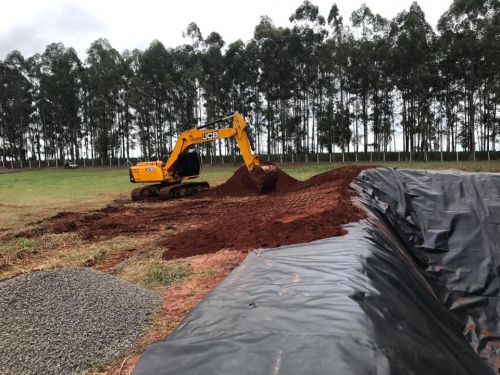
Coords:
68,23
29,25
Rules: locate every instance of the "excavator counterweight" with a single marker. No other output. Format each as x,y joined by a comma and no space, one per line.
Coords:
185,164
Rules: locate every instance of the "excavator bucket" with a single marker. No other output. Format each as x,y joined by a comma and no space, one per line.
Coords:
264,178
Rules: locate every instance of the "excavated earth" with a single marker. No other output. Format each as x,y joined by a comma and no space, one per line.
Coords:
229,216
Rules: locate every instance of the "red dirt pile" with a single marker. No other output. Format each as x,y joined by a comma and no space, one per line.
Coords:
240,185
229,216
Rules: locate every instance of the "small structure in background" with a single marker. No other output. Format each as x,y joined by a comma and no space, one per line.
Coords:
70,165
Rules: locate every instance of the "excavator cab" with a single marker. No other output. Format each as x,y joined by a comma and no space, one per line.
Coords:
188,165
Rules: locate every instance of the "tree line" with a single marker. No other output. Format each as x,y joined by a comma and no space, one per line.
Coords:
317,86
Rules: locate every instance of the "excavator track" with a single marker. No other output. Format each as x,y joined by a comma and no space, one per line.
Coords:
264,178
146,192
182,190
165,192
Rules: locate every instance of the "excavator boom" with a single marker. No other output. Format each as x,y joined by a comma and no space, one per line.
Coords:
182,165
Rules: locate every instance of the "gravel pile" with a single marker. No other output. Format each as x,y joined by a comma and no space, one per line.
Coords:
63,321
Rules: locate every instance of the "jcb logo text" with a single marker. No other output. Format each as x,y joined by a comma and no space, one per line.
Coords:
211,135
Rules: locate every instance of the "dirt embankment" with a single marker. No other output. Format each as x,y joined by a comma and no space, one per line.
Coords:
229,216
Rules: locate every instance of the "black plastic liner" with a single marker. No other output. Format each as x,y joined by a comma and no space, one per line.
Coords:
365,303
450,224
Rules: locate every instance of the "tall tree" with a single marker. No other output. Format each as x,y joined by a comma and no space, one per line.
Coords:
15,106
103,85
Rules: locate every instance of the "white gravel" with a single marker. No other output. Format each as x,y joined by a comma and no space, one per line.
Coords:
63,321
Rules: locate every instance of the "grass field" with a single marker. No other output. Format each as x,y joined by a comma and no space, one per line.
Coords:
29,196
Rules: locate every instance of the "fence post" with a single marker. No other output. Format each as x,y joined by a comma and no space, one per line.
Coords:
330,158
281,158
489,159
110,160
399,157
56,162
84,163
474,156
371,156
410,157
343,157
11,165
29,161
457,156
441,156
356,156
425,156
292,159
306,159
383,156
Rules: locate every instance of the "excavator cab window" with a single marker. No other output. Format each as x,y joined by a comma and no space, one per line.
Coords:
189,164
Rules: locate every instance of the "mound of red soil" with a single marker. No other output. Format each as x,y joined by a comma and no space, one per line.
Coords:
229,216
240,184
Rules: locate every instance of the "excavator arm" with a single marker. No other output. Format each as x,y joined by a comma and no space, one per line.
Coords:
198,135
167,174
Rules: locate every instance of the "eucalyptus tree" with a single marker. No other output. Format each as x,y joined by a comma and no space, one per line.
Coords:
59,74
16,106
185,76
212,79
340,42
155,72
128,114
103,87
413,57
277,81
309,26
139,101
371,74
240,85
253,101
469,45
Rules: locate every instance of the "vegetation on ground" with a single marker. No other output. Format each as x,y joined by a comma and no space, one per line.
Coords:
166,274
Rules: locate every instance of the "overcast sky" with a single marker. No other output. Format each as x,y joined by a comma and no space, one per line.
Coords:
29,25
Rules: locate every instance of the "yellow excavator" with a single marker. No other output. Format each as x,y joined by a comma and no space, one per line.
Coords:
184,163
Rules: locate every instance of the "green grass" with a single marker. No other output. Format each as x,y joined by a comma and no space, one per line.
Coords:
167,273
16,249
32,195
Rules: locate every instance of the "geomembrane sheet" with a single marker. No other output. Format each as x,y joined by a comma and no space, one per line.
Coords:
394,296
